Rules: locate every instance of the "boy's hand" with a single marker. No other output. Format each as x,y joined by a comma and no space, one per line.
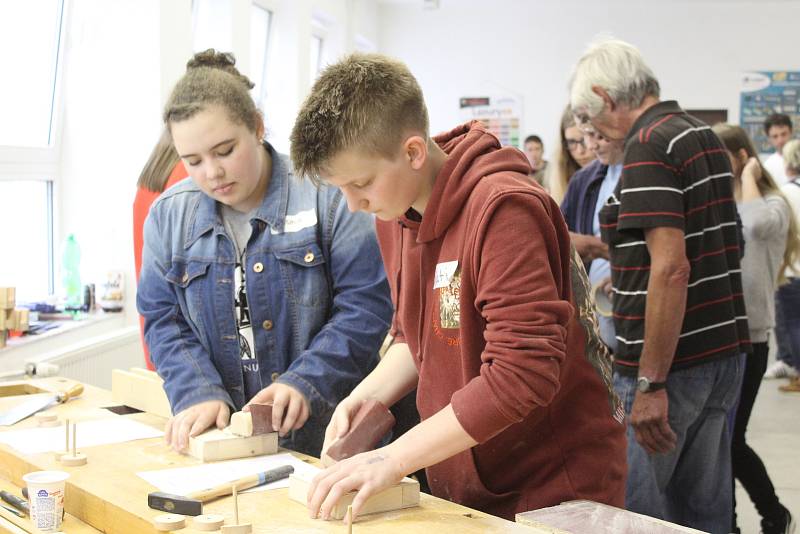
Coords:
288,405
193,421
340,422
367,473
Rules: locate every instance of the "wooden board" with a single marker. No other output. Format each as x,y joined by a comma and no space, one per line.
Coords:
576,517
216,445
107,494
403,495
140,389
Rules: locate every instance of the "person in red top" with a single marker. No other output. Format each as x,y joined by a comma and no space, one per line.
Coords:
163,169
493,322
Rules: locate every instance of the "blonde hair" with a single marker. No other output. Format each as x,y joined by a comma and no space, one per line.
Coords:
791,156
564,165
735,139
159,165
365,101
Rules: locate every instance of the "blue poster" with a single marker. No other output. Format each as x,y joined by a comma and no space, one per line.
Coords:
764,93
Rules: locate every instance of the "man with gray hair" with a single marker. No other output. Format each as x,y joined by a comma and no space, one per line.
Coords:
679,315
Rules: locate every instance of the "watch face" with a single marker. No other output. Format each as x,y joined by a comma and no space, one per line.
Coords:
643,384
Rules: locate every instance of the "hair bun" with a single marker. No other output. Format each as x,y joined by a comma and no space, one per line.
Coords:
214,59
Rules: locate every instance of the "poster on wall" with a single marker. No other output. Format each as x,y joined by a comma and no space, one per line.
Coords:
501,115
764,93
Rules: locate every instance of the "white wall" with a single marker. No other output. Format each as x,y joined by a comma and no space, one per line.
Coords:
697,48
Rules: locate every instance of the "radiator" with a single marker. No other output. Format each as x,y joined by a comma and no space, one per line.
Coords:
91,360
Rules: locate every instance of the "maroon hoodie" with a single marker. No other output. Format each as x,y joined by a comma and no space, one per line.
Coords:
483,297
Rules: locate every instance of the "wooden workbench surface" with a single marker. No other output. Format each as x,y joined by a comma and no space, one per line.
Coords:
107,494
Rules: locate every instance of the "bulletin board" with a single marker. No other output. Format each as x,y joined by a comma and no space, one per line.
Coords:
500,114
764,93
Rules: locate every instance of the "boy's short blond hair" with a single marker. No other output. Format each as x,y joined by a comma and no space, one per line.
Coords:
365,101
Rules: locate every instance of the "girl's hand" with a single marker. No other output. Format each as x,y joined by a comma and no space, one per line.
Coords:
340,422
290,409
193,421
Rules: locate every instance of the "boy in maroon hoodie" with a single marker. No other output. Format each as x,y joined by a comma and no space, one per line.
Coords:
492,323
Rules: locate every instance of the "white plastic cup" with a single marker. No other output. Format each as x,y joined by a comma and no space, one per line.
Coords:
46,497
602,301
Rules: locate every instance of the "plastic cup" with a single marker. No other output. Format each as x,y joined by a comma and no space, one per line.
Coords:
46,497
602,302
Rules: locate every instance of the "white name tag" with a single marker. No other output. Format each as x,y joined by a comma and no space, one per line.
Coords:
298,221
444,274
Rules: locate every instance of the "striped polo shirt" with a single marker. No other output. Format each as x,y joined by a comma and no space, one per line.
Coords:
676,173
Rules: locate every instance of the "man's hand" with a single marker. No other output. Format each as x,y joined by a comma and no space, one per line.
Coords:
589,247
193,421
368,473
649,419
288,405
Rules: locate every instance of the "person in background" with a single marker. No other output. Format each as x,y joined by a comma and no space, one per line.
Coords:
770,232
255,286
587,193
514,390
787,299
570,155
778,128
163,169
534,151
679,316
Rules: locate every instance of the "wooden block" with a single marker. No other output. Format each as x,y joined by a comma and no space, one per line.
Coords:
11,319
168,522
216,445
241,424
74,460
403,495
372,421
7,298
244,528
139,390
47,419
23,320
208,522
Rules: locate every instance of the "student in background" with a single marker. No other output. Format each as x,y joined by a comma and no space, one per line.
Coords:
778,128
570,155
587,193
255,286
787,300
770,233
534,151
162,170
518,411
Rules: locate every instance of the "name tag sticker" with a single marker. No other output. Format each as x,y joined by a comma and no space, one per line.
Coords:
298,221
444,273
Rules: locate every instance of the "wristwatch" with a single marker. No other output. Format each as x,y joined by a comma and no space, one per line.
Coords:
644,385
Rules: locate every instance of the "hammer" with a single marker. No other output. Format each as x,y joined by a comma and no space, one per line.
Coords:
192,503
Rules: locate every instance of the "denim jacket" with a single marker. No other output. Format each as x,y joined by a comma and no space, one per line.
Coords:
318,297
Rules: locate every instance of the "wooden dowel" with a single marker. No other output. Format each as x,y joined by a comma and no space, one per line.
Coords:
235,505
66,432
74,438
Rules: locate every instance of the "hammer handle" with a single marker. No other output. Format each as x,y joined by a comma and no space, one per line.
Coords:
243,483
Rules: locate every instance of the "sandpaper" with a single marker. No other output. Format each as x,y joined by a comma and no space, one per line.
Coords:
372,421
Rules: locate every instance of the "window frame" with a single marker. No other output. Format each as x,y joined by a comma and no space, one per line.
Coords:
43,164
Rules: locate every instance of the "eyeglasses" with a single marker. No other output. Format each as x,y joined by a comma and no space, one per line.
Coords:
572,144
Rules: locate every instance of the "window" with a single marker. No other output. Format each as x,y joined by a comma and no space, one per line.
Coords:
260,26
29,143
30,244
315,54
212,25
30,36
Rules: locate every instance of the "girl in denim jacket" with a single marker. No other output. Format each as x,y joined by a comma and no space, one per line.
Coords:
256,286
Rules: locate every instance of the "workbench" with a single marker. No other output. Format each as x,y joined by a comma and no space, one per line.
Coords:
107,496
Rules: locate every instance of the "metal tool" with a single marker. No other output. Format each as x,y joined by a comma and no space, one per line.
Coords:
37,402
192,503
17,502
12,510
32,370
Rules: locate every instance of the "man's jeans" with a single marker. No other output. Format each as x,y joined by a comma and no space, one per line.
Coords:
787,322
691,485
